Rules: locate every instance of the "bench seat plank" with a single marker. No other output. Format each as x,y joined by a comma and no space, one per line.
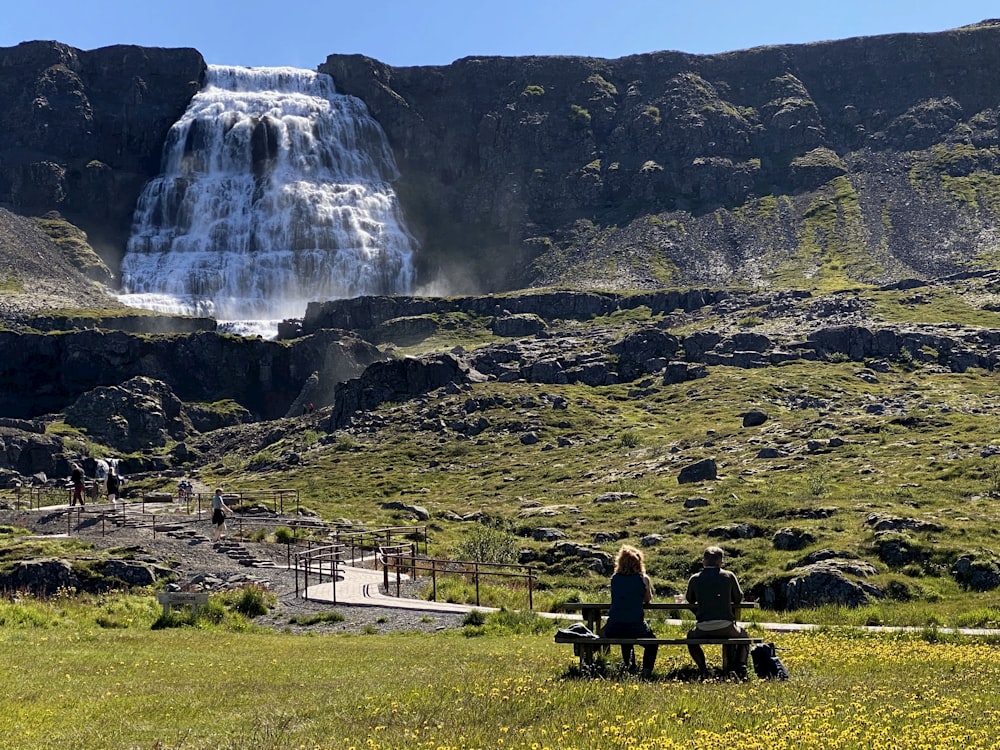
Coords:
602,641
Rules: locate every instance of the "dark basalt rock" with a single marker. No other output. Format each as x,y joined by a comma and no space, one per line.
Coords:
82,132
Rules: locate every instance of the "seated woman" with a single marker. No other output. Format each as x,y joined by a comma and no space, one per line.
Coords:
630,591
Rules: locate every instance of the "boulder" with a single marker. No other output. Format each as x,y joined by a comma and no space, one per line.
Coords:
682,372
883,522
754,418
396,380
791,538
133,573
643,352
600,562
695,502
820,584
740,530
615,497
700,471
29,453
897,549
517,325
547,534
417,511
977,572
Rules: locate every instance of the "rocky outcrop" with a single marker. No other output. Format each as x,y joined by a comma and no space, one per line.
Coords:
47,576
82,132
396,380
139,413
45,373
977,572
831,581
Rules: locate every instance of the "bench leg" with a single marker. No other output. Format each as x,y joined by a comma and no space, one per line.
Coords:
586,652
734,658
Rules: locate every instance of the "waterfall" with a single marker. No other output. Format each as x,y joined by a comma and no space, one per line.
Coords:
275,191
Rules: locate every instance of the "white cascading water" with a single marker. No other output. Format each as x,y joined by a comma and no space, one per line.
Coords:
275,191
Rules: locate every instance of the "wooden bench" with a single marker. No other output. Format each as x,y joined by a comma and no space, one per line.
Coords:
592,612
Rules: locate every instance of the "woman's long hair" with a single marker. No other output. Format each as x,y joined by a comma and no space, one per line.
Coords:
629,561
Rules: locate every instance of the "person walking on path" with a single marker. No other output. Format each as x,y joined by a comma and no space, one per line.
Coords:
76,477
715,591
631,590
114,485
219,511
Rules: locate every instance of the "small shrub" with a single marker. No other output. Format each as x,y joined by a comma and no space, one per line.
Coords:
345,443
579,115
475,618
284,535
488,543
262,459
253,601
533,90
629,439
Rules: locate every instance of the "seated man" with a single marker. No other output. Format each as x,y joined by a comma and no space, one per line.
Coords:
715,591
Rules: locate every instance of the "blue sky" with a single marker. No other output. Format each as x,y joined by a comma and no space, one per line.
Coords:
436,32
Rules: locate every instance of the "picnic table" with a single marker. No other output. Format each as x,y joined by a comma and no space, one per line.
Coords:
592,614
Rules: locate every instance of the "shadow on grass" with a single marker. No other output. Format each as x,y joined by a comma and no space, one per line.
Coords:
604,671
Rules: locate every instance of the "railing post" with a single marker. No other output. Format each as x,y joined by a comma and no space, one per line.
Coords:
333,570
531,580
434,580
399,564
385,569
476,575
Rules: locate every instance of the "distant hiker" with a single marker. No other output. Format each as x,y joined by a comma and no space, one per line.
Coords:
76,477
630,592
114,485
310,407
219,511
715,591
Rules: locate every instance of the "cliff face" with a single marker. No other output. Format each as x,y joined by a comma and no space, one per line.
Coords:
865,159
81,132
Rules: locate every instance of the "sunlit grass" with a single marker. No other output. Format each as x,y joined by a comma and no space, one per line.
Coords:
69,687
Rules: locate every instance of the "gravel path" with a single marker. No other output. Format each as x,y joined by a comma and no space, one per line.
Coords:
199,563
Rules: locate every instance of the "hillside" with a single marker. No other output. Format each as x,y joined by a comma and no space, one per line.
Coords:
37,275
841,447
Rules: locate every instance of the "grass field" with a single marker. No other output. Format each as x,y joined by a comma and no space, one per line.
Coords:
96,676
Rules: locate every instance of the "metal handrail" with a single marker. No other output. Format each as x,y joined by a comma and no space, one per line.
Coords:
403,557
313,560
